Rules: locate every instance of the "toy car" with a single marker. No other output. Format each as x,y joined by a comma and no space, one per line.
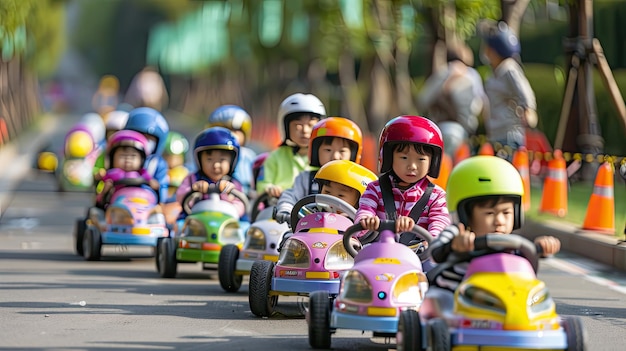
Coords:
313,258
210,224
261,243
132,218
499,305
386,279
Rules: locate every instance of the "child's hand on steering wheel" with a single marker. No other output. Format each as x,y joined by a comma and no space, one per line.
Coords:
464,242
225,186
404,224
201,186
370,223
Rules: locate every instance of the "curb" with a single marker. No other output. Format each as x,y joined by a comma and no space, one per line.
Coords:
598,247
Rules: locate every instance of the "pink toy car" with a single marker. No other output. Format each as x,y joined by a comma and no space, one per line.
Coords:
313,258
386,279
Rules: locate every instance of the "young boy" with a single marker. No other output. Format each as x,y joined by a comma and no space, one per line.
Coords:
216,150
333,138
126,153
410,149
239,122
297,115
485,196
342,179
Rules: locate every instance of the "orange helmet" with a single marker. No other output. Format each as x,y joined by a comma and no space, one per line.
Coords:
335,127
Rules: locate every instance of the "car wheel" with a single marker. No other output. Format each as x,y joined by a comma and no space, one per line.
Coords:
92,244
167,258
261,303
319,320
439,335
226,268
79,233
575,333
409,335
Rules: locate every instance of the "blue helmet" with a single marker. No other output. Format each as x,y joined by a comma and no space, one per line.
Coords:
232,117
216,138
149,121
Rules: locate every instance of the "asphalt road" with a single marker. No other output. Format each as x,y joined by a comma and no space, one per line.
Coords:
50,299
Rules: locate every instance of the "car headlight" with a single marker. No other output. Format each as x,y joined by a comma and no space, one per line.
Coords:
410,288
478,297
338,258
295,254
230,234
118,216
255,239
156,218
540,301
194,227
356,288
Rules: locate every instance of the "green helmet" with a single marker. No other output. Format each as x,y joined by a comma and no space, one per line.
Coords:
176,144
479,177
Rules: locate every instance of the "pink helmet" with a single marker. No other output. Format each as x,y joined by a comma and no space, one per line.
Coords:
126,138
410,129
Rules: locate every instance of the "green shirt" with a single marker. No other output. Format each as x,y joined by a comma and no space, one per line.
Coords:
281,168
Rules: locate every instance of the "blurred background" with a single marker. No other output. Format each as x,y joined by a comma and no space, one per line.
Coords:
365,59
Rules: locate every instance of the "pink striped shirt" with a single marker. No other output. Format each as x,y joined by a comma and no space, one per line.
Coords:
434,218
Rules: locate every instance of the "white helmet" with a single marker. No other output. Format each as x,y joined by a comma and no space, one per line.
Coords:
94,123
116,120
296,104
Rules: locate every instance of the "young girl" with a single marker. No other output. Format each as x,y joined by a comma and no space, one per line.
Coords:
410,149
333,138
297,115
216,151
126,151
485,196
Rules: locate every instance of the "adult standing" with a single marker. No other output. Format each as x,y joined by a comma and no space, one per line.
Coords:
511,98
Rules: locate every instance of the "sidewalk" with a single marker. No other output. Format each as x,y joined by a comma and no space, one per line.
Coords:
17,158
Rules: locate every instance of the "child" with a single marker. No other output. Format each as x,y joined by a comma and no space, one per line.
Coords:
333,138
343,179
154,127
114,121
485,196
239,122
175,155
410,149
297,115
126,154
215,152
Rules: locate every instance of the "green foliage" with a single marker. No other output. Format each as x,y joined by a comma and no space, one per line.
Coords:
33,29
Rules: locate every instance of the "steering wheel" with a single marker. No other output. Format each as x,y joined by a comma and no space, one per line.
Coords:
134,182
385,224
319,203
267,200
487,245
193,196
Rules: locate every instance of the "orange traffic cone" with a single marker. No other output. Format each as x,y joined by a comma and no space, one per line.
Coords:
486,149
520,161
554,197
601,208
444,171
462,152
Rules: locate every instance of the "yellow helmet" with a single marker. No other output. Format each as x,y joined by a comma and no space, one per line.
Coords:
347,173
78,144
47,161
